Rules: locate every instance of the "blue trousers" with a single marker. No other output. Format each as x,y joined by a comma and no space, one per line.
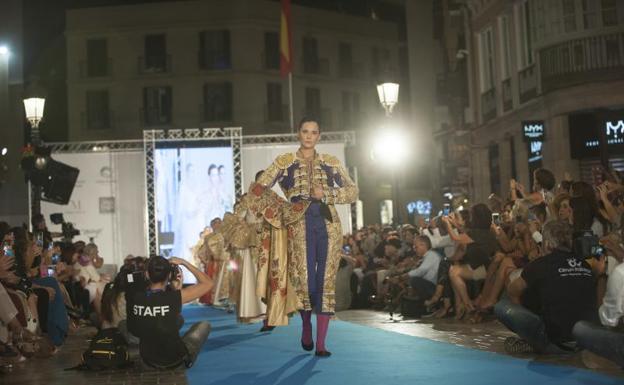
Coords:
58,324
316,254
527,325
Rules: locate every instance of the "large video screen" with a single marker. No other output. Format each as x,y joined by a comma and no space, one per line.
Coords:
192,186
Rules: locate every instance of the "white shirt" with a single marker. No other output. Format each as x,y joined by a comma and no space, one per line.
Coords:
428,269
612,308
439,241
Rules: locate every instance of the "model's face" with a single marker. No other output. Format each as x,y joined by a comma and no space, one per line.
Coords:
309,135
214,175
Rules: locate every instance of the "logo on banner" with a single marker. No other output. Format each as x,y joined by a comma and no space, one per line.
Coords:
533,130
106,172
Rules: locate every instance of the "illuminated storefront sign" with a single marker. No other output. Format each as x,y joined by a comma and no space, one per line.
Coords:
587,129
533,134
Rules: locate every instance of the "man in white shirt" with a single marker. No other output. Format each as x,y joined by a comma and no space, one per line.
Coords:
423,279
607,340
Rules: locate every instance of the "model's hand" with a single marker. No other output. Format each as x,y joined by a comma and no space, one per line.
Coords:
317,192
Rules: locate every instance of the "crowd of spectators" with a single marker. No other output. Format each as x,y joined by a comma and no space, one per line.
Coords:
545,263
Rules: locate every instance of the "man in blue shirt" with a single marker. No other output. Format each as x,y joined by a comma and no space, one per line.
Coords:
423,279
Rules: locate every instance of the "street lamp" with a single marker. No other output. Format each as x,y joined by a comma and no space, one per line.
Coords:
392,142
391,149
388,96
34,113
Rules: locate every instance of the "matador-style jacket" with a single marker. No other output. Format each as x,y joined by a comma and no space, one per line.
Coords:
296,176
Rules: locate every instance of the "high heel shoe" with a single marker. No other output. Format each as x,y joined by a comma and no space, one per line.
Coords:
307,347
322,353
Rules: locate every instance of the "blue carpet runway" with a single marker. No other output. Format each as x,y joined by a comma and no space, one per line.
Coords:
239,354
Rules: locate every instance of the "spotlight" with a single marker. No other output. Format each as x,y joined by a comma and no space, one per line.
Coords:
4,151
4,50
391,147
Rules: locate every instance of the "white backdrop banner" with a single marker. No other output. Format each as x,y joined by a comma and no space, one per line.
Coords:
107,204
256,158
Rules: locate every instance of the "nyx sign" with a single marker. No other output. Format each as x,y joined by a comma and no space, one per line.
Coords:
533,130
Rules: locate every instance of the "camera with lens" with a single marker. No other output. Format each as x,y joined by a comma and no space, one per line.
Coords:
67,228
587,245
174,272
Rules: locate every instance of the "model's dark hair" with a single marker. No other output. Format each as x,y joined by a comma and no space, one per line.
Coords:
258,175
308,119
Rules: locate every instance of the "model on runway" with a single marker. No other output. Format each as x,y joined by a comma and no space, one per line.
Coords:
313,183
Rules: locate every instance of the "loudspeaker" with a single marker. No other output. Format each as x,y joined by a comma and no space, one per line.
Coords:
60,184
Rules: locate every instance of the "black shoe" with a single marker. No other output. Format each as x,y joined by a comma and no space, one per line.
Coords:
323,353
307,347
267,329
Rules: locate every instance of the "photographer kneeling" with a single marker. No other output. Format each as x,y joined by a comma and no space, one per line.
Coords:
154,315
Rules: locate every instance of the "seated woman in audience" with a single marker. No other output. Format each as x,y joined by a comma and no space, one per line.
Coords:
88,276
479,245
50,307
515,254
113,314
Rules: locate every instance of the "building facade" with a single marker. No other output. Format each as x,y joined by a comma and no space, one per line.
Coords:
545,87
210,64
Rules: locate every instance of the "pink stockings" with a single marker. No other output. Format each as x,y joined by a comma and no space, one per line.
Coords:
322,325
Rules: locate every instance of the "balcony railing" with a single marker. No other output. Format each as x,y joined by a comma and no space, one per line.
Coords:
527,83
97,120
154,64
209,61
507,95
488,105
594,58
155,117
96,69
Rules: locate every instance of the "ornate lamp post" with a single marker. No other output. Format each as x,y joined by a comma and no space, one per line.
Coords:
390,147
388,96
34,113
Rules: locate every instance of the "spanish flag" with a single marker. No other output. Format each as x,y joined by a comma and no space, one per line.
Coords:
285,40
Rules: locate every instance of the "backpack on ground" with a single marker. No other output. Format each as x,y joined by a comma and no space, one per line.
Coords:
107,350
413,307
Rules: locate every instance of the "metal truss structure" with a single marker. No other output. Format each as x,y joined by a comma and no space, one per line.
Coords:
150,141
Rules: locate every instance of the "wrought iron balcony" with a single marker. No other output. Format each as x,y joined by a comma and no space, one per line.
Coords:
582,60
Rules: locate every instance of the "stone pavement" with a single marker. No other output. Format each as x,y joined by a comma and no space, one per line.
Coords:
487,336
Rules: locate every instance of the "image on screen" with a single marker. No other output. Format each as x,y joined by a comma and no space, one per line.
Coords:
192,187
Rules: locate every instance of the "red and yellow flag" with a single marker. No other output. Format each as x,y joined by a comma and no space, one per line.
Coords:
286,64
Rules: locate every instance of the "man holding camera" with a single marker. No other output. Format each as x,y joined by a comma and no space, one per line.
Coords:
154,315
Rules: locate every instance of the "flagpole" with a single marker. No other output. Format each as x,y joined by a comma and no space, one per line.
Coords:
290,103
